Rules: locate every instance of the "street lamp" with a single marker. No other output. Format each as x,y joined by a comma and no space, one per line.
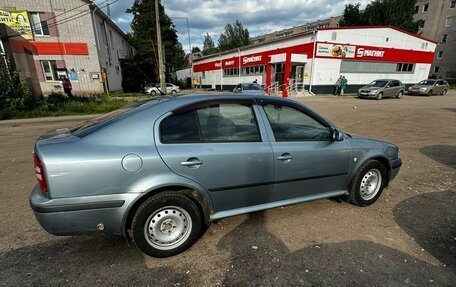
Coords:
189,46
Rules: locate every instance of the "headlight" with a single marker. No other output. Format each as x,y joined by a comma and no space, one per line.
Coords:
373,91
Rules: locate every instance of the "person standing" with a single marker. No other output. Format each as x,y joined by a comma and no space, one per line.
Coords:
337,86
343,85
67,87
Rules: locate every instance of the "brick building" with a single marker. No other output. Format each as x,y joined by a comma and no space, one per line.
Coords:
71,38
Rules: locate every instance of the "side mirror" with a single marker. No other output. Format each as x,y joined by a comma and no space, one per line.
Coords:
337,135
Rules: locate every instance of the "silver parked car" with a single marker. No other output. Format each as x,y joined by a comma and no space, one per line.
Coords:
154,89
250,89
429,88
161,170
379,89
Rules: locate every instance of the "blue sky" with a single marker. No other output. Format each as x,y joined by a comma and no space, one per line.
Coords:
260,17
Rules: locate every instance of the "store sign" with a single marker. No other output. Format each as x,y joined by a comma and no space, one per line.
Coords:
229,63
17,21
335,50
361,52
217,65
252,59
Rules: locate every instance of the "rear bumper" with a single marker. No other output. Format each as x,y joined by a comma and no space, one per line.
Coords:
81,215
395,167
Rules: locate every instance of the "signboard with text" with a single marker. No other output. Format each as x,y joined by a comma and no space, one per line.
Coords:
17,21
335,50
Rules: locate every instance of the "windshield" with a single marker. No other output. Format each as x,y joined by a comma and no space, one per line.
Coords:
427,83
92,125
252,86
378,84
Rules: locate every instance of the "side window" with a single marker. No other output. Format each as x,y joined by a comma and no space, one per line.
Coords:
216,123
289,124
228,123
180,128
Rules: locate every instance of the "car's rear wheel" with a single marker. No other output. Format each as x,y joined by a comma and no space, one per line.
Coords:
444,92
173,92
368,183
380,96
166,224
153,93
429,93
400,94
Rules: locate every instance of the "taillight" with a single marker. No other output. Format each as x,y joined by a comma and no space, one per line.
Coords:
39,173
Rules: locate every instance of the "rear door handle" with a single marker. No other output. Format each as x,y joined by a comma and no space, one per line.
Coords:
192,162
286,157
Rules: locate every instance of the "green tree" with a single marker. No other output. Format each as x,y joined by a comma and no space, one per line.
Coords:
208,45
196,50
144,67
234,36
352,16
398,13
14,93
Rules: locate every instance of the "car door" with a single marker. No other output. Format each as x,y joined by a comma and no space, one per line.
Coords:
396,87
388,91
219,145
438,87
307,161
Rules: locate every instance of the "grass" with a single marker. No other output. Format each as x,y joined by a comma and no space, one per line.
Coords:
69,107
452,86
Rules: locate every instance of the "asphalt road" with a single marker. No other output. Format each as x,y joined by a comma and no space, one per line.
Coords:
407,238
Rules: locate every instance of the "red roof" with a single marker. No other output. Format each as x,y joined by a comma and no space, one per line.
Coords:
386,26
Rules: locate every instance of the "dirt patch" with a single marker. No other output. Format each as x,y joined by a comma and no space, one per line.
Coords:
405,239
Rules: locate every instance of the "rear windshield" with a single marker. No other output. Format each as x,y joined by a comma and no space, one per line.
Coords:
378,84
251,87
94,124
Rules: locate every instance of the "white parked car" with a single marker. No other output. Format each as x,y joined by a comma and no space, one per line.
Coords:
155,89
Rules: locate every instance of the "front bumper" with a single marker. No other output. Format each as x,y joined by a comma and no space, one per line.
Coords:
81,215
395,167
417,92
367,95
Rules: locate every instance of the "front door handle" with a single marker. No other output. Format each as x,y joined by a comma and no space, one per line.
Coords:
192,162
286,157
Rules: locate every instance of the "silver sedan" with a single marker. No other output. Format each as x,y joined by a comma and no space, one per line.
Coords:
161,170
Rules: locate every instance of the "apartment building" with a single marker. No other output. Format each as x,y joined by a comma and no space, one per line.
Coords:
439,18
52,39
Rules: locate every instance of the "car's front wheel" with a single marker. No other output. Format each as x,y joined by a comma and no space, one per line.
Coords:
429,93
153,93
173,92
380,96
399,95
166,224
444,92
368,183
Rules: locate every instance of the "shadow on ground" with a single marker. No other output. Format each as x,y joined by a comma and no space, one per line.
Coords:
86,261
431,220
259,258
445,154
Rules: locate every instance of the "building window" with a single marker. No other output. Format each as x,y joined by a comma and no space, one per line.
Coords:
40,28
440,55
111,38
425,7
417,8
444,38
103,33
436,69
49,70
448,22
334,36
422,24
404,67
231,72
452,4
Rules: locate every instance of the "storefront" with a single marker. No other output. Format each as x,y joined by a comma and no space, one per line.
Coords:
313,61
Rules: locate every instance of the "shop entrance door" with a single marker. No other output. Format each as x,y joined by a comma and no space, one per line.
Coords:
299,78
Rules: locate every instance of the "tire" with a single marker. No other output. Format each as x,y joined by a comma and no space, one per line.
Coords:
153,93
429,93
361,194
400,94
171,212
379,96
173,92
443,93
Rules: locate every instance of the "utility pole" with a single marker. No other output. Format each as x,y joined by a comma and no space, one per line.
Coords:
161,66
